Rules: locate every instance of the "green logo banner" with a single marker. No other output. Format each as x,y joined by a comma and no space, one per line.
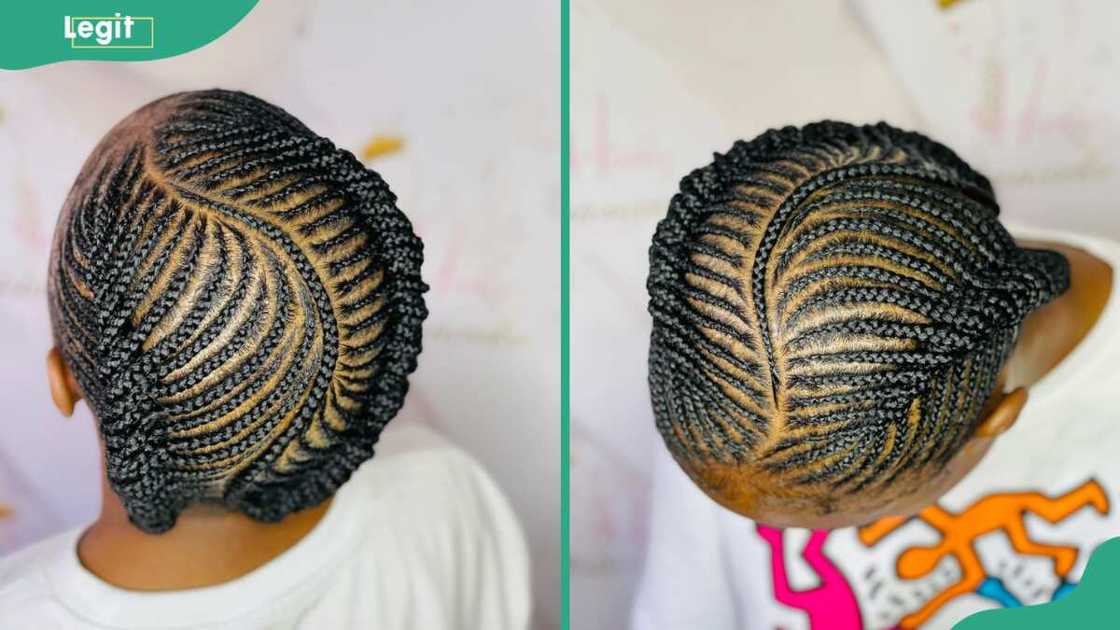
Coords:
1092,604
47,32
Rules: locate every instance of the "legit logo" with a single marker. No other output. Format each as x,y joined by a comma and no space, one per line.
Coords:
110,32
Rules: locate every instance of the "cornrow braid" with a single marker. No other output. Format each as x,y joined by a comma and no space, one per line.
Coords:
832,306
240,303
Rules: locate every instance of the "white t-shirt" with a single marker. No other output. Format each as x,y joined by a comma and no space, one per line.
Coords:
420,537
1033,510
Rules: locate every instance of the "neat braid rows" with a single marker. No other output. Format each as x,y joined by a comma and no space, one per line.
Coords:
834,303
241,304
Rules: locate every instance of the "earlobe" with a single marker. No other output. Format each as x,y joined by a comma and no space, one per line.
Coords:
1004,415
64,389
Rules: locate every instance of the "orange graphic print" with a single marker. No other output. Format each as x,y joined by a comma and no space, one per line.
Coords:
997,512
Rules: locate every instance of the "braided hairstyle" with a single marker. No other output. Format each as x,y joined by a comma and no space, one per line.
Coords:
832,306
240,303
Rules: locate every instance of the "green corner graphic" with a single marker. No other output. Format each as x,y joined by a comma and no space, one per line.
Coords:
125,30
1092,604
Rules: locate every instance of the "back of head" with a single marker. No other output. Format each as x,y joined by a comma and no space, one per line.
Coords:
240,303
832,307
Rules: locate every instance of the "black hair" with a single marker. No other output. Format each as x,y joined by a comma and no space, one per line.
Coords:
833,304
240,303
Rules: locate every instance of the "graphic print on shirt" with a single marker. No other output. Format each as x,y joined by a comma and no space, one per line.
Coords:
998,512
845,601
831,604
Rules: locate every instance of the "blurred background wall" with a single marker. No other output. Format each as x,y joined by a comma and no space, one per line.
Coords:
1026,91
471,89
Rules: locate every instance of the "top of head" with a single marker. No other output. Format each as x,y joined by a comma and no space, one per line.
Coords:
240,303
832,306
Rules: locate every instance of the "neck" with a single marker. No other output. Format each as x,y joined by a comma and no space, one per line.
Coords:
207,546
1053,331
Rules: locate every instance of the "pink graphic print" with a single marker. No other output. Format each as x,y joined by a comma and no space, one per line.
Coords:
830,605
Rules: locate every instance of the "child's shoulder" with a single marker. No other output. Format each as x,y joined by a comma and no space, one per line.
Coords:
414,461
25,563
442,507
423,482
24,589
1104,246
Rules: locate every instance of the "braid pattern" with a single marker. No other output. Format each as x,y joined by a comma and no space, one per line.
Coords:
240,303
834,304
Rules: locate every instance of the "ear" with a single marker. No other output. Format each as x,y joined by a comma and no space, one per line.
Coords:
1003,415
64,389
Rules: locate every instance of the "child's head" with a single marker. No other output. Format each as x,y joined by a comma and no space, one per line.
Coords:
832,309
240,303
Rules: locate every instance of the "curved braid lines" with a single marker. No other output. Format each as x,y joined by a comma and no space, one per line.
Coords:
261,292
829,303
